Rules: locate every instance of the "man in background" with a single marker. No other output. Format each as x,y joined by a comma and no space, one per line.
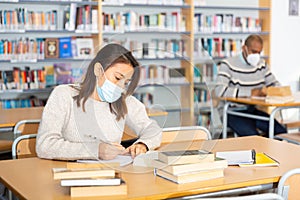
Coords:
240,75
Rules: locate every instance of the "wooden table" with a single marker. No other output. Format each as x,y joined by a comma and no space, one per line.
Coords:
249,101
31,178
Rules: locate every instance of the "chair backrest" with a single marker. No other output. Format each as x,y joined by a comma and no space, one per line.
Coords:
288,185
185,133
24,146
24,127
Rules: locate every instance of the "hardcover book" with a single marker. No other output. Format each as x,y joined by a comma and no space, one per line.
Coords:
65,47
219,163
91,182
64,173
191,176
51,48
88,191
184,157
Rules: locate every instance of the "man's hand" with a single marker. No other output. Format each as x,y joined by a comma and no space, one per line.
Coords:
110,151
136,149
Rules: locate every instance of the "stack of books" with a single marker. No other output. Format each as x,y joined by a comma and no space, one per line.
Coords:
189,166
279,94
87,180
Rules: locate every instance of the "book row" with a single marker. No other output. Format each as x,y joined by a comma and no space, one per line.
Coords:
205,72
59,73
157,48
217,47
74,17
159,2
134,21
22,103
226,23
160,74
83,18
27,49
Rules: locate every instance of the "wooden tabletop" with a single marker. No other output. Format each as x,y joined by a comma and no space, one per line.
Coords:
259,102
32,178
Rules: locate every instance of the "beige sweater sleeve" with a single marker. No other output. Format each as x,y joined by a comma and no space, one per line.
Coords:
147,129
56,127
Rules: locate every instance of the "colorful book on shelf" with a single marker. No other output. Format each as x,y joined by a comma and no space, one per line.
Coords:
218,163
185,156
65,173
262,160
190,176
63,73
89,191
65,47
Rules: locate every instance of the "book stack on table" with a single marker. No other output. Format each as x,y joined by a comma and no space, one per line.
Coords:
90,180
189,166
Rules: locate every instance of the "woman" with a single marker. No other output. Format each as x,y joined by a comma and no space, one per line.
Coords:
87,121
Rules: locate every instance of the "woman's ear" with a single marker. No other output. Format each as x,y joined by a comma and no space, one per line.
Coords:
98,69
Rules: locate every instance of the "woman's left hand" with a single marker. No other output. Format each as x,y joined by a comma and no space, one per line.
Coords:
136,149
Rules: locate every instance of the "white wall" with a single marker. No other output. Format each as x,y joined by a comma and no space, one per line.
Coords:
285,44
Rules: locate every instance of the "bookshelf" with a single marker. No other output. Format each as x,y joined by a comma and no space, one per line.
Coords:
152,36
220,28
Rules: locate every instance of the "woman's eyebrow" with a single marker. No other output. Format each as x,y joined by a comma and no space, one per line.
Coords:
119,73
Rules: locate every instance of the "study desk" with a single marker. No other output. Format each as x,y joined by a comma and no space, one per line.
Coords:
256,102
32,179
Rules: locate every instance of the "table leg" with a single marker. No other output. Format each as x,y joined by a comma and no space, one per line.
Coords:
224,133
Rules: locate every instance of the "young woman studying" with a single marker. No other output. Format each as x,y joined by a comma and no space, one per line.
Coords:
87,121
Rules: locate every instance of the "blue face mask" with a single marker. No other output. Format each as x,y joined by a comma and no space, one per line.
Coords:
109,91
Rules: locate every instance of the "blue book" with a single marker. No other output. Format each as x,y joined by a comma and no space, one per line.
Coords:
65,47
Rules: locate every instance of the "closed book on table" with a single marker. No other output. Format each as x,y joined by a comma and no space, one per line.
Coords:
219,163
192,176
64,173
91,182
184,157
88,191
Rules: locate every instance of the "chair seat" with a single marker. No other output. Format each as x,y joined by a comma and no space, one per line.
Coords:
5,145
290,137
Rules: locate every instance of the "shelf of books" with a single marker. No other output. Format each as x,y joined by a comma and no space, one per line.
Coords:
171,35
220,29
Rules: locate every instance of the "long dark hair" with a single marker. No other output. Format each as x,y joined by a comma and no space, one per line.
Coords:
107,57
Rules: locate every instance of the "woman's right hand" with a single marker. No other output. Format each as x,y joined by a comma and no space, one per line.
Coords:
110,151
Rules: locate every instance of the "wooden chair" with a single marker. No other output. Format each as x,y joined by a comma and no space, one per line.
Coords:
185,133
24,146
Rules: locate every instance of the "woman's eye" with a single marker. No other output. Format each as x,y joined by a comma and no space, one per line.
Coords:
117,78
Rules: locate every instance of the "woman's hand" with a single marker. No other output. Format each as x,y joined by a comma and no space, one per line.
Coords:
136,149
108,151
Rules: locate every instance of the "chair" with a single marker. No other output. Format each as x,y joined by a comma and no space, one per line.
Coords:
289,137
24,146
286,191
24,127
184,133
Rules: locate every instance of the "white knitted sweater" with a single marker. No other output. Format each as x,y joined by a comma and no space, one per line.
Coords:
68,133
